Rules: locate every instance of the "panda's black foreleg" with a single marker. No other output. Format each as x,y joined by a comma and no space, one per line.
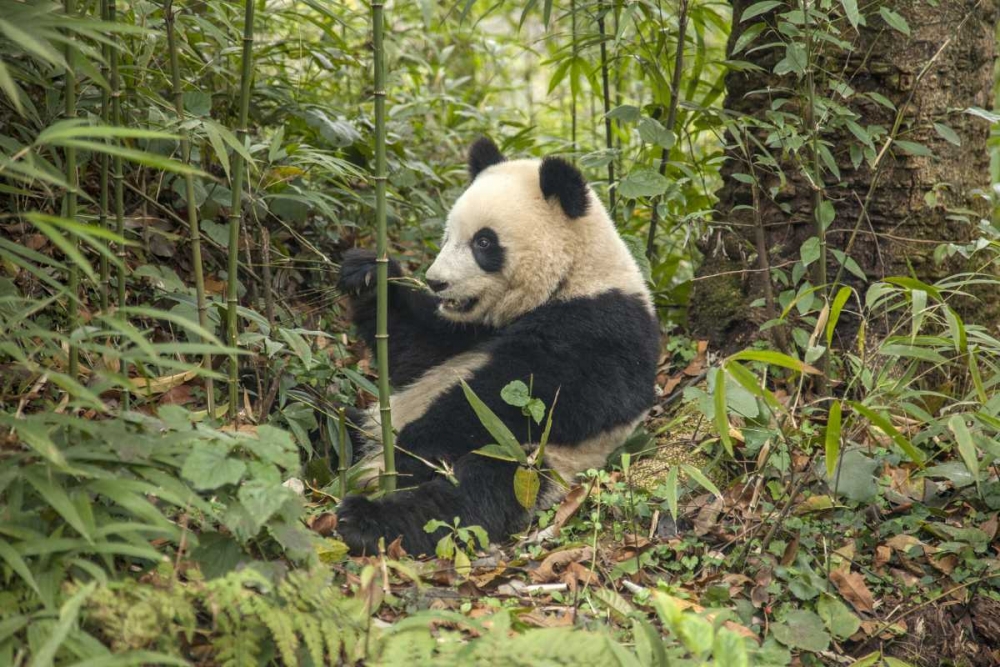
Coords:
484,496
419,338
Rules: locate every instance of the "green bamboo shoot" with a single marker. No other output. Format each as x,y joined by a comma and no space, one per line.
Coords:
118,176
72,180
102,214
191,200
382,260
232,293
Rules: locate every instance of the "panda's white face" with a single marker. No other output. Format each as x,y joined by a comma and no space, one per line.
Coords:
523,233
505,247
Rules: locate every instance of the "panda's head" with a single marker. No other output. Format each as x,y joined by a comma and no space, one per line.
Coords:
523,233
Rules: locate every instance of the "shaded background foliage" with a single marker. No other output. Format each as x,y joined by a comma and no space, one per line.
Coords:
129,503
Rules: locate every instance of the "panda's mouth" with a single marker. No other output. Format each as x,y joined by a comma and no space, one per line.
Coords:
459,305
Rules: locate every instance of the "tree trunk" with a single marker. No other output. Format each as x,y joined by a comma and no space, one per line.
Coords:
914,202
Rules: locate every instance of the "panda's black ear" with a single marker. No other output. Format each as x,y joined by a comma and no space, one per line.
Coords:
482,154
558,178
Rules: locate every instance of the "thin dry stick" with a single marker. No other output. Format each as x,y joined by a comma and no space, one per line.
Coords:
388,477
232,292
675,96
192,205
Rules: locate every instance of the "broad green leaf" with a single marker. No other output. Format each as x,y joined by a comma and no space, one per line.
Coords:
832,439
825,213
208,466
810,250
802,629
515,393
966,447
839,619
948,134
505,439
851,11
759,8
643,182
652,132
913,148
896,21
526,484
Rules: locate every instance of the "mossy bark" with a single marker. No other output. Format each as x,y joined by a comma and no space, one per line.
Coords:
901,226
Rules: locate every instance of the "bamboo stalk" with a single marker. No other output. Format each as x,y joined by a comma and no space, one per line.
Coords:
72,179
572,88
388,479
342,450
102,219
608,123
119,179
192,207
232,294
675,96
817,185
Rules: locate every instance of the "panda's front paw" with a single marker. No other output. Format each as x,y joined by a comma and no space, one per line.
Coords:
358,524
357,271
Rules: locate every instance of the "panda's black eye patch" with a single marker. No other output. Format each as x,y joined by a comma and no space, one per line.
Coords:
487,250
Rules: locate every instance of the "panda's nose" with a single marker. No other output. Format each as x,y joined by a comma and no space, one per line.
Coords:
437,285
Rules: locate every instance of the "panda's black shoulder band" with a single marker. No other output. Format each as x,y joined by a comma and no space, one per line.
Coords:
558,178
483,154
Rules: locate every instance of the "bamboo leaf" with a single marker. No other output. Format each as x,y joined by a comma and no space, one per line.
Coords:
68,615
721,410
775,359
886,427
59,500
702,481
966,447
832,439
851,12
17,564
505,439
843,294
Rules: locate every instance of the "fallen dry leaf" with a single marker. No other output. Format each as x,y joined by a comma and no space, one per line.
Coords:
577,574
324,524
550,568
882,555
395,550
568,507
852,588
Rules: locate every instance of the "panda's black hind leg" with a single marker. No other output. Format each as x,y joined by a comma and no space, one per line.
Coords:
484,496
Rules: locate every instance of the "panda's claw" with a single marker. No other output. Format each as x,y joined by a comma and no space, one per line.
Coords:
357,271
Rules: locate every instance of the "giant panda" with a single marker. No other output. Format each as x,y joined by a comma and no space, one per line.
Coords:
532,283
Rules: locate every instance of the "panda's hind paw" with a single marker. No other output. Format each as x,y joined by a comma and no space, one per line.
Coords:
358,525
